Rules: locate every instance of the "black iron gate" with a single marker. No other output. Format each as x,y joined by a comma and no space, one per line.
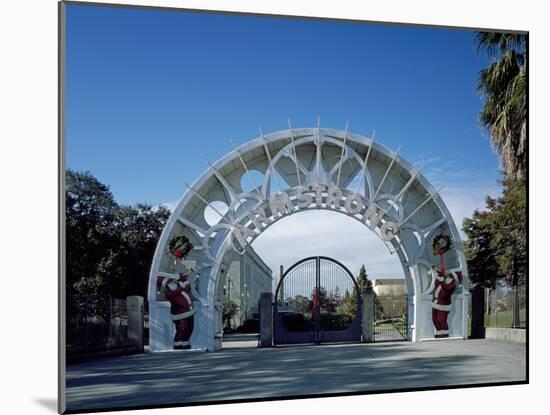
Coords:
390,317
317,300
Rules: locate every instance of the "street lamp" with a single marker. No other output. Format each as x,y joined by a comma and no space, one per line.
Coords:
244,300
228,285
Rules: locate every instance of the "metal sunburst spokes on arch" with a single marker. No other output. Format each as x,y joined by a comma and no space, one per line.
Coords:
310,167
304,169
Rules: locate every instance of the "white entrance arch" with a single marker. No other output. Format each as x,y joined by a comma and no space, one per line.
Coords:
304,169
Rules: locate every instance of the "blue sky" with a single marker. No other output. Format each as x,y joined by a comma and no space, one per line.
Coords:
152,93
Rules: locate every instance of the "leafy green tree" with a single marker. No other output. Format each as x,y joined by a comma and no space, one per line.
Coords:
496,248
90,212
480,254
363,280
509,224
109,247
349,305
350,299
299,303
509,227
503,85
126,270
334,297
321,297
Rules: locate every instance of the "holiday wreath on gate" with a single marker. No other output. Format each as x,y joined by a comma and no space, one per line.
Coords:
179,246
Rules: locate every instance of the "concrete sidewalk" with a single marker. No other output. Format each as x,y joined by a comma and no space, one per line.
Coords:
244,373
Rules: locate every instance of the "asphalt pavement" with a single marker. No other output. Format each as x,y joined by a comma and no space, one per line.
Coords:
242,371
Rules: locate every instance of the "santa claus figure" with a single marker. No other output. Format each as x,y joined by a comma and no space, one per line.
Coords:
445,284
180,293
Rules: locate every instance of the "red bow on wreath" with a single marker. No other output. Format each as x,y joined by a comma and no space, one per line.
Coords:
179,246
441,244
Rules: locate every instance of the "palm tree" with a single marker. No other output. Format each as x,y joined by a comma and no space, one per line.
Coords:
504,85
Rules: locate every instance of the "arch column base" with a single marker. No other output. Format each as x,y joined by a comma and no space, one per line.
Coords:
162,330
457,319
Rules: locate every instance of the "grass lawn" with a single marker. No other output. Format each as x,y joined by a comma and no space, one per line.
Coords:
503,319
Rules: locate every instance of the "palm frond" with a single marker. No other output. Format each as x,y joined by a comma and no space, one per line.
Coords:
503,85
495,43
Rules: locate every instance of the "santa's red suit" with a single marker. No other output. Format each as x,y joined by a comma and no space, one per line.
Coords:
441,301
178,292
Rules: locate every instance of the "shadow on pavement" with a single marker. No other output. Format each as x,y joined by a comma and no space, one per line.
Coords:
175,377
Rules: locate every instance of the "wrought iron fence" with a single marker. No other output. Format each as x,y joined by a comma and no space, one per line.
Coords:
469,329
506,307
96,324
390,318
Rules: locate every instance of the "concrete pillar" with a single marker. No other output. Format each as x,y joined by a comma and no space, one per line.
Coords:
410,317
217,315
367,318
134,306
282,289
478,313
266,319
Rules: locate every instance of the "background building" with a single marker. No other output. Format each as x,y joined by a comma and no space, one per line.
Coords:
389,286
391,297
247,277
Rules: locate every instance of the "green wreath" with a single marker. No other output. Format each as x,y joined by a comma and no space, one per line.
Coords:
179,246
441,244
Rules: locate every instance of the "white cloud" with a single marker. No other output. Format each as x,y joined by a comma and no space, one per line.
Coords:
464,190
462,200
433,159
171,206
332,234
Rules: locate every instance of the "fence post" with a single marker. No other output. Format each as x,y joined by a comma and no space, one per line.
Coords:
367,318
134,306
266,319
478,313
86,314
110,333
496,307
515,307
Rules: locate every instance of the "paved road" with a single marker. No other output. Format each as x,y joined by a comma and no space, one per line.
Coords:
240,373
